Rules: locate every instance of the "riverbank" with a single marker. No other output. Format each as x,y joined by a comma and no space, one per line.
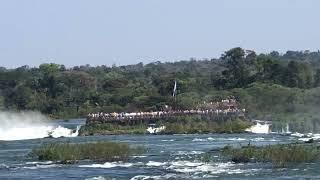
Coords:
181,125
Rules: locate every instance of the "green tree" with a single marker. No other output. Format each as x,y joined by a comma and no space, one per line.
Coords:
237,73
317,78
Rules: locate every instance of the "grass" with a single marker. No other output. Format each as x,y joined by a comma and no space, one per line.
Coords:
96,151
279,155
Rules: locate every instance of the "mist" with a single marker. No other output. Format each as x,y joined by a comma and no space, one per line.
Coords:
10,119
29,125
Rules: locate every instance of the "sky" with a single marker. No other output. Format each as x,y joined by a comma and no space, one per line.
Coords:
120,32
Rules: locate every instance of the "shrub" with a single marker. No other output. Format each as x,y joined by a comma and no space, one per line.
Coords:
96,151
279,155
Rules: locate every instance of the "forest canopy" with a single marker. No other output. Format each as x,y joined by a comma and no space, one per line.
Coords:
265,84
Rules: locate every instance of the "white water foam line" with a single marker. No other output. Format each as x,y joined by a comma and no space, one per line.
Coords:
210,168
108,165
188,167
167,140
308,137
146,177
296,134
156,164
199,140
96,178
188,152
42,166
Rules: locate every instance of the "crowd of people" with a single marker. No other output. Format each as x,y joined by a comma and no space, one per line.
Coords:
225,104
223,107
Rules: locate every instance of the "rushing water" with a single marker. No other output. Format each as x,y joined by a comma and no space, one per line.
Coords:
168,157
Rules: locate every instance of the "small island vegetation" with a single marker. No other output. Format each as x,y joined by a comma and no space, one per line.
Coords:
280,155
101,151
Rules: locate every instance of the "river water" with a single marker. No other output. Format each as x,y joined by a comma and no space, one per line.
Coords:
167,157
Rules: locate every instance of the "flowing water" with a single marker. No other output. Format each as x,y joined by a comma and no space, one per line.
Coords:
167,157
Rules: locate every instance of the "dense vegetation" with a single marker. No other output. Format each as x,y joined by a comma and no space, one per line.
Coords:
278,86
279,155
97,151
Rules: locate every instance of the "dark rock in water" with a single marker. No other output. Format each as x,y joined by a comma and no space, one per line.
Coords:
285,134
68,162
310,141
240,159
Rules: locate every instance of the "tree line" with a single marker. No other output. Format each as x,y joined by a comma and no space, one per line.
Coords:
259,81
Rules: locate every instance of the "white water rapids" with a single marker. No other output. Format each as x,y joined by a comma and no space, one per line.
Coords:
30,125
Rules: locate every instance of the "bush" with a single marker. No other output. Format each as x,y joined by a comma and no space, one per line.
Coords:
96,151
279,155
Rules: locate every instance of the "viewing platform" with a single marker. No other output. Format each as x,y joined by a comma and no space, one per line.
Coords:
153,117
215,111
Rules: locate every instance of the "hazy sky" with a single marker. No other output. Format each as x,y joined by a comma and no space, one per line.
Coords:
96,32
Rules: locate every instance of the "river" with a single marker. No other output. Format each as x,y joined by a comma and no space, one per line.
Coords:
167,157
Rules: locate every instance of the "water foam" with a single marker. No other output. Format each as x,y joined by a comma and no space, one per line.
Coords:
96,178
154,130
64,132
154,163
108,165
30,125
308,137
139,156
296,134
42,166
236,139
4,166
189,152
199,140
286,130
258,139
259,128
211,168
38,162
166,140
145,177
198,167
